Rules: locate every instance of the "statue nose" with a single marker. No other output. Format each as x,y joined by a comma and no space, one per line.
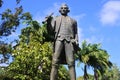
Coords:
64,9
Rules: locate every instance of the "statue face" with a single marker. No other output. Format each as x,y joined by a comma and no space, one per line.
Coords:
64,10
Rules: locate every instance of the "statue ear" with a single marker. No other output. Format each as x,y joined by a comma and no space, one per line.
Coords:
59,10
68,10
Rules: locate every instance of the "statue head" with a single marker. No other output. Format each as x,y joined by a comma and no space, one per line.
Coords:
64,9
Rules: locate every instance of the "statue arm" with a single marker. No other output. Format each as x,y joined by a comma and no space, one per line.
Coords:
76,42
49,21
76,33
50,25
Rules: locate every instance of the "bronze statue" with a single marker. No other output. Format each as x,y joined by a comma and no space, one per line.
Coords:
64,29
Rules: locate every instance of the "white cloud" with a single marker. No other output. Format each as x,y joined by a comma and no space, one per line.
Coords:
38,17
54,9
110,13
94,39
92,29
78,17
80,35
80,32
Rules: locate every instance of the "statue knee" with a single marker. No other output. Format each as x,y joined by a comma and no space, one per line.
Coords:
71,64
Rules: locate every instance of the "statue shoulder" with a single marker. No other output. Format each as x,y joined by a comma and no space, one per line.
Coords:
73,20
57,17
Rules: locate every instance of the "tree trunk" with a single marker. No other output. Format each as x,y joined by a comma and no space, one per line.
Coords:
85,72
95,74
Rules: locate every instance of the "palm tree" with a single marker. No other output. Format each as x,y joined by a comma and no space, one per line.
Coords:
99,60
93,56
83,56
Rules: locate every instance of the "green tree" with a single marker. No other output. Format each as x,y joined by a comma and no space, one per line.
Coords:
9,21
4,75
112,73
83,56
99,61
93,56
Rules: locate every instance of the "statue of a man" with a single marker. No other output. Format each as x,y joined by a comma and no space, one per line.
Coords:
65,42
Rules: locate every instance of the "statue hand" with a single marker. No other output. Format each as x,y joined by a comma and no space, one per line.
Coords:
47,18
75,42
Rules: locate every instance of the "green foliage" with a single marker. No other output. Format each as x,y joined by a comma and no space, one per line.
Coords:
93,56
32,56
63,73
9,21
4,75
5,50
89,75
111,74
31,61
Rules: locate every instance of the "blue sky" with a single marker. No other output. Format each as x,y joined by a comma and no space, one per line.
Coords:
98,21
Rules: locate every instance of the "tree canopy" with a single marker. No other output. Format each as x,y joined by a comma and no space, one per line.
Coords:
9,21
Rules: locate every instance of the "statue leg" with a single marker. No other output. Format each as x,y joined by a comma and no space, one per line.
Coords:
54,71
72,72
70,60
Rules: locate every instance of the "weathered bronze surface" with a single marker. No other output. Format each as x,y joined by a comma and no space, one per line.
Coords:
65,41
